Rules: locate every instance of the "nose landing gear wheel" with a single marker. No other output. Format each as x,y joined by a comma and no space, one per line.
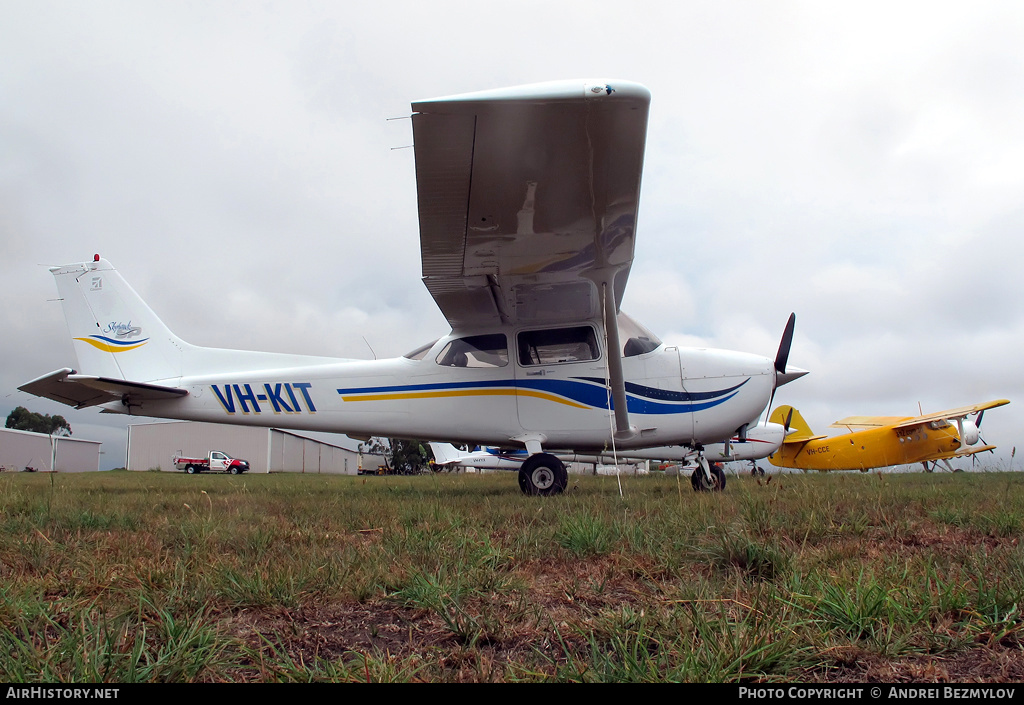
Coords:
700,482
543,474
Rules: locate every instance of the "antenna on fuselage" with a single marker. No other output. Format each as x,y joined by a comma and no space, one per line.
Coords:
368,345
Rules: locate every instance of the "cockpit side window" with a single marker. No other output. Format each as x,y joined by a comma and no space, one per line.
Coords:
546,347
475,351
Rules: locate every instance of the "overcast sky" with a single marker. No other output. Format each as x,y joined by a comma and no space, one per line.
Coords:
857,163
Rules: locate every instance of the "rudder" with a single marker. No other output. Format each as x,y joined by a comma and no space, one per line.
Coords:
799,430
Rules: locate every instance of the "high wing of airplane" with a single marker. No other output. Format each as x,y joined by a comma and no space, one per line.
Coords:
882,441
528,201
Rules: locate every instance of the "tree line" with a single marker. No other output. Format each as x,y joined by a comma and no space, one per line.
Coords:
21,419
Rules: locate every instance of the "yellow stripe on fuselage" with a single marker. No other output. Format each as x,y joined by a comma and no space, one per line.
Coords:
100,345
464,393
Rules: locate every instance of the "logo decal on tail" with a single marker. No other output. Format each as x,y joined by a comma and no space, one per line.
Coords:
101,342
123,330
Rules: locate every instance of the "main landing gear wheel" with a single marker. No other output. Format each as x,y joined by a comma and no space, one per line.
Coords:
543,474
700,482
757,471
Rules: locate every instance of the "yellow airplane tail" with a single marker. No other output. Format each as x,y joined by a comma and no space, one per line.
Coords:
799,431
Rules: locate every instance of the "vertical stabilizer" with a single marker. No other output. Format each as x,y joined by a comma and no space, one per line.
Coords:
446,453
115,334
798,428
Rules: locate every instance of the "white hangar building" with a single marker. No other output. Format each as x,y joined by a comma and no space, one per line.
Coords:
20,450
152,446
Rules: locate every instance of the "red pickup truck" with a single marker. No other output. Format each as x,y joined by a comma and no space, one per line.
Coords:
216,461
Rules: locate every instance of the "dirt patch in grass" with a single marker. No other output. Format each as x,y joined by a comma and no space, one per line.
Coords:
333,630
505,634
380,630
981,665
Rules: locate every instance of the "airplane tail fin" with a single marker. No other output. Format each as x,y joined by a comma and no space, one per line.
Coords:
125,352
445,453
799,430
114,333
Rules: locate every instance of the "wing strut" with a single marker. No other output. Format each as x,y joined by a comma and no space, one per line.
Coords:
616,378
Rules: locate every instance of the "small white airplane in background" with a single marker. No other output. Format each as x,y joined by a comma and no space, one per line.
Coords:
480,458
761,441
528,201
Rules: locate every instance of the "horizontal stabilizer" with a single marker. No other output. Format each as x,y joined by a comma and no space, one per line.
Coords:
796,437
68,387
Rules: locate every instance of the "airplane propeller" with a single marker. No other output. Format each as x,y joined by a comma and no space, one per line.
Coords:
787,342
782,359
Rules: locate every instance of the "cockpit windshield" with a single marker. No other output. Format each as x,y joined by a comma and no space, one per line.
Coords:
475,351
635,339
420,352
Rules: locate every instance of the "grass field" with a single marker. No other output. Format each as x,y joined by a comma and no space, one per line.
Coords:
167,577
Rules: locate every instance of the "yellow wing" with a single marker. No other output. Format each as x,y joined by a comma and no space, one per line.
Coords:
859,422
957,413
962,452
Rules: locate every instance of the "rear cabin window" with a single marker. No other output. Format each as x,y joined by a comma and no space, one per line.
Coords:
547,347
475,351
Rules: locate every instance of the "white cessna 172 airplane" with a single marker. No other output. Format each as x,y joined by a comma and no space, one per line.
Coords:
528,202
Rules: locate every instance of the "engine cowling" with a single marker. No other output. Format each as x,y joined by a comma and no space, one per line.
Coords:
969,433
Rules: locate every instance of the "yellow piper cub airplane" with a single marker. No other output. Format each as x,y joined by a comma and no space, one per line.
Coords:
528,202
881,441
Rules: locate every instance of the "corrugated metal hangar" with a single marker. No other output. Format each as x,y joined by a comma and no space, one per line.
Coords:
23,450
152,445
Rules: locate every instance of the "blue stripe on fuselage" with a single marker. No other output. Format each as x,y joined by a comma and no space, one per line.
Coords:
590,391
